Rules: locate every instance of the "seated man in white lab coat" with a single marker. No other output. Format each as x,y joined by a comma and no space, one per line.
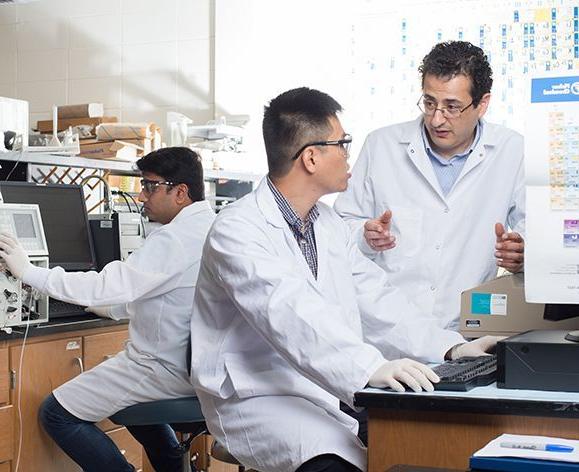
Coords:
154,289
429,199
290,317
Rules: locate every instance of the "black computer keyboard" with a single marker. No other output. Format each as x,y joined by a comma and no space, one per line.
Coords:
466,373
60,309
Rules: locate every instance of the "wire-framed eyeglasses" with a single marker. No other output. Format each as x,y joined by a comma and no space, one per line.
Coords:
429,108
149,186
344,143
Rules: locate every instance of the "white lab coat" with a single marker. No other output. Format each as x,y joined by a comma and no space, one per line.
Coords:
274,349
154,288
445,244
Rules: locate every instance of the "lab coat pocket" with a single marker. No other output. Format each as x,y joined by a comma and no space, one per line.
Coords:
258,377
407,228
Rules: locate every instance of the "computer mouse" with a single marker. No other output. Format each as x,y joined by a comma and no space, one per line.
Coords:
572,336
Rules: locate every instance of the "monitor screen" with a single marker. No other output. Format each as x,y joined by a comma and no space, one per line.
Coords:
64,218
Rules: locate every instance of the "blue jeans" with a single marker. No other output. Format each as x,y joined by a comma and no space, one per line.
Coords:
94,451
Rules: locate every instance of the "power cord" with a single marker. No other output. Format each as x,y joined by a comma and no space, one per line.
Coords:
21,153
19,386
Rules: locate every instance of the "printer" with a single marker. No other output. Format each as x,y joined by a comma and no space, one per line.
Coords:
498,307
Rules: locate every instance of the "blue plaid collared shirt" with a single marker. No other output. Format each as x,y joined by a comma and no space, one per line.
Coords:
303,231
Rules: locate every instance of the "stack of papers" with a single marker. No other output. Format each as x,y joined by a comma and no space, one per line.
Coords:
525,453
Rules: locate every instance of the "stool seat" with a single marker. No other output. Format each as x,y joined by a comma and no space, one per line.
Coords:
172,411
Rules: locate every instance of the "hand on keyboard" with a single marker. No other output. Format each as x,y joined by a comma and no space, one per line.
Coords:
395,373
460,374
102,311
478,347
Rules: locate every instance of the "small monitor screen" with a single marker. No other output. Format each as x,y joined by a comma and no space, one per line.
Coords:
24,225
64,218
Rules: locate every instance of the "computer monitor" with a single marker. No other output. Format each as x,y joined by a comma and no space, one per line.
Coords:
64,218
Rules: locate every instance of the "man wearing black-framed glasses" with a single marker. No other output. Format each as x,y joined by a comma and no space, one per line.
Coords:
429,200
154,289
290,317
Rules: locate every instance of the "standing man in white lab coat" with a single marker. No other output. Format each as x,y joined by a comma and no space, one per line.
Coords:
290,317
429,200
154,288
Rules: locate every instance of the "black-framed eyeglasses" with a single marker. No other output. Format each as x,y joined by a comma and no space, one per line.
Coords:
149,186
429,108
344,143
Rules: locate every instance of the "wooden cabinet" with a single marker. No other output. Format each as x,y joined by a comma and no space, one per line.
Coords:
6,433
4,376
45,366
98,348
47,363
103,346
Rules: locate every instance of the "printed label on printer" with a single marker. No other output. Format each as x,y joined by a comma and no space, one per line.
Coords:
473,323
488,304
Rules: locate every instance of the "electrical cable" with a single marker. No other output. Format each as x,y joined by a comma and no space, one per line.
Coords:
15,164
19,388
134,201
122,194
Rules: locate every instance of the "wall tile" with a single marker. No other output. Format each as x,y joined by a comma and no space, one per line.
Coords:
139,6
48,34
8,14
8,61
147,26
86,63
42,95
95,31
194,19
8,37
144,58
106,90
42,65
8,90
150,90
99,7
42,10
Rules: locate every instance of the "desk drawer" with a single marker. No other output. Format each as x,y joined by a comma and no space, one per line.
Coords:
99,347
6,433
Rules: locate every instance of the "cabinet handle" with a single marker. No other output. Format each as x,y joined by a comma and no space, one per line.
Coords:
12,379
80,364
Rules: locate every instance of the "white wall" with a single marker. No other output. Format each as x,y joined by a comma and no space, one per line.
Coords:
141,58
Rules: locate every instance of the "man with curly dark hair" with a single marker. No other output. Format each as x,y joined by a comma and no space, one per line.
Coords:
429,200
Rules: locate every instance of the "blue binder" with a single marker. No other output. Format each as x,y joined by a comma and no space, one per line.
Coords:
518,464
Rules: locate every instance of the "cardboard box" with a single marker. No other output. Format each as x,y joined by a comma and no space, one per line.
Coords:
45,126
109,150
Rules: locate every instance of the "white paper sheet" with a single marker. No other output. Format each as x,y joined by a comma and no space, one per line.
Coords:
494,449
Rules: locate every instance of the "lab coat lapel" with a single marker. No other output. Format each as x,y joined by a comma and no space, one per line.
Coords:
279,227
322,242
417,154
478,153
